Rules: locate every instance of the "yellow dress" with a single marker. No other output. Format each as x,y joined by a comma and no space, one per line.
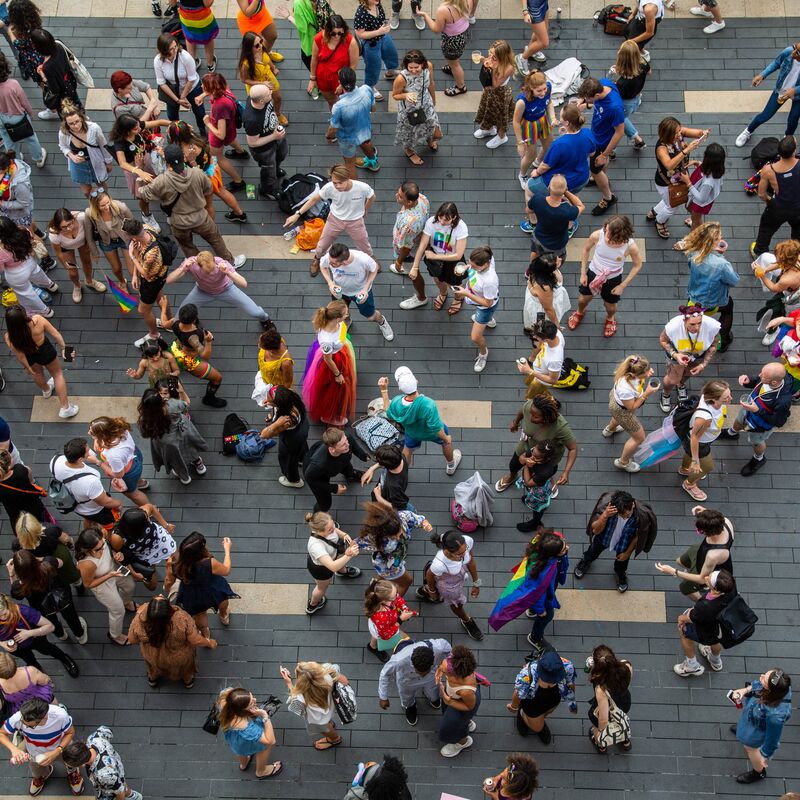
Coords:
271,371
264,74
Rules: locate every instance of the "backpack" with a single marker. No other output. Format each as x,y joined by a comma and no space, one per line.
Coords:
462,521
58,492
366,772
251,447
166,244
573,376
238,119
613,18
232,428
682,416
737,622
295,190
764,152
376,430
174,28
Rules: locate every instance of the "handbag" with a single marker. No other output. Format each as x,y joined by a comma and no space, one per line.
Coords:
416,116
678,194
57,599
82,75
211,725
344,702
618,729
485,77
17,131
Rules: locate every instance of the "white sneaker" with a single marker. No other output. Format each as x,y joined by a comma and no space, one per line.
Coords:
491,324
84,637
472,725
48,114
77,294
670,4
472,20
96,286
609,432
70,411
419,21
144,340
482,134
413,302
199,467
150,220
770,337
450,469
523,181
452,750
495,142
386,330
240,261
540,57
699,11
41,162
284,481
480,362
522,64
705,651
394,22
631,466
743,138
51,388
714,27
684,670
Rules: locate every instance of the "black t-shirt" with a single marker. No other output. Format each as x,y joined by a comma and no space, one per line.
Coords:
130,148
552,224
17,494
259,122
394,485
704,617
632,87
543,472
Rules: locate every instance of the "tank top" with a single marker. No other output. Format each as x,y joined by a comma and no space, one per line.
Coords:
31,691
103,564
658,3
455,26
705,548
717,416
609,258
788,193
662,175
184,336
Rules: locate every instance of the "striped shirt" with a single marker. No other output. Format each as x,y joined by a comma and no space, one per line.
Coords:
45,736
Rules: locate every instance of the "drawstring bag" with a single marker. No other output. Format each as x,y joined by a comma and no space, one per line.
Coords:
573,376
308,236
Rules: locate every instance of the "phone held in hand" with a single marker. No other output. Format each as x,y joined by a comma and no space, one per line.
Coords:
123,571
69,354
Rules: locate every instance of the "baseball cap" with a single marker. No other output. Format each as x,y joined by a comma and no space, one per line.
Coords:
406,381
173,155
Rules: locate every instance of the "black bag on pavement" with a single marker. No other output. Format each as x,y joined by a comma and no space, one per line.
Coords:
295,190
764,152
232,428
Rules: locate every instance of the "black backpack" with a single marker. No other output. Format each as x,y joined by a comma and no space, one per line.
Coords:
167,245
232,429
295,190
737,622
764,152
174,28
682,415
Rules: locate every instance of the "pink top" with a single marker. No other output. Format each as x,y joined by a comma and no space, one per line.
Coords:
214,283
7,259
13,99
454,28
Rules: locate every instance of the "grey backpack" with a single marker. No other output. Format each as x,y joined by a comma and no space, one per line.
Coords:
58,491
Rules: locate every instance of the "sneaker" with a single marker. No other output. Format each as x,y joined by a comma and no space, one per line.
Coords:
751,776
753,466
694,491
156,6
523,181
714,663
199,467
48,113
472,726
472,20
631,466
77,294
743,138
150,220
70,411
492,323
41,162
419,22
472,629
622,583
394,24
381,655
726,433
452,750
70,666
451,468
318,607
349,572
212,67
609,432
49,314
232,216
664,403
48,392
646,55
84,637
685,669
412,303
480,362
171,11
237,155
522,64
538,646
603,206
378,97
134,795
37,784
53,288
714,27
640,145
236,186
411,715
75,782
770,337
581,568
96,286
437,704
530,526
699,11
540,57
683,394
526,226
572,228
62,637
386,330
284,481
140,343
240,261
545,735
313,267
496,141
483,134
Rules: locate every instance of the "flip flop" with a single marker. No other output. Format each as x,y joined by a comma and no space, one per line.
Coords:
114,641
438,303
599,748
246,764
277,768
326,743
411,156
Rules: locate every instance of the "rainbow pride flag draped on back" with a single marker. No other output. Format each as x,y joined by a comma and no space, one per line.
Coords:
521,593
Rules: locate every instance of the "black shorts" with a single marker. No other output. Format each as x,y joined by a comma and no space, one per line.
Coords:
444,271
44,355
605,293
149,290
317,571
102,518
593,168
536,707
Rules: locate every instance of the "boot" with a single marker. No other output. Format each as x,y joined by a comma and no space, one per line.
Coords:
210,397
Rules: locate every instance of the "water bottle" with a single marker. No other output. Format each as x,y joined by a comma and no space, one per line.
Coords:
290,234
558,16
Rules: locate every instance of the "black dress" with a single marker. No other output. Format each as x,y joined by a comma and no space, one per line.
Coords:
204,591
18,495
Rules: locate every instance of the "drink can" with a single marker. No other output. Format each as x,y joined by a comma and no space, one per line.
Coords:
589,664
250,190
337,292
280,129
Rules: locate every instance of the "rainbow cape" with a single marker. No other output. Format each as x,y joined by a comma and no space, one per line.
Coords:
521,593
126,302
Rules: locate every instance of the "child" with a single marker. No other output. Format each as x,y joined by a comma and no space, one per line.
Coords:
706,184
275,363
385,609
533,121
496,106
156,361
445,576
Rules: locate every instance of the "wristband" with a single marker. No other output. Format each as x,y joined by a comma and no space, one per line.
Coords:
477,583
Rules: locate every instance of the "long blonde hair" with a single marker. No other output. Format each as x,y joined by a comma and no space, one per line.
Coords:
629,60
28,530
337,309
504,55
310,682
701,241
632,367
462,6
94,207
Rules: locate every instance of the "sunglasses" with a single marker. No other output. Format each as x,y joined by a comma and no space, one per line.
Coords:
337,33
97,192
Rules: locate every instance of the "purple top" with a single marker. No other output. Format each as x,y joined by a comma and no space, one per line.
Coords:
29,619
16,699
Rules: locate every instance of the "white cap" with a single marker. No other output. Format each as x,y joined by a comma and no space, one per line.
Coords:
406,381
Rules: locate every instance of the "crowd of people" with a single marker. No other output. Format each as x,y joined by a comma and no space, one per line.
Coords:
125,540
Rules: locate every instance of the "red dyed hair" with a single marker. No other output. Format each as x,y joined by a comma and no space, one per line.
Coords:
215,84
120,79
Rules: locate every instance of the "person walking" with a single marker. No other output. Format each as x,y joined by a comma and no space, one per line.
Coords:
460,691
767,707
168,640
177,80
536,14
518,781
622,524
408,224
16,117
266,138
221,126
643,23
496,107
545,293
275,362
610,678
333,47
20,269
414,665
452,22
67,235
710,10
351,121
56,75
630,392
327,458
631,71
289,422
419,416
533,121
199,27
376,43
119,457
247,730
782,177
787,87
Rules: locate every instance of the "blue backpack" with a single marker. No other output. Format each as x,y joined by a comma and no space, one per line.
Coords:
251,447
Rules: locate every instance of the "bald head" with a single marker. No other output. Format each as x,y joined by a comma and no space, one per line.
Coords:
773,373
558,185
260,94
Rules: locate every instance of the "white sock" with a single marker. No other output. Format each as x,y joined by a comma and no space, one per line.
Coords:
692,663
758,457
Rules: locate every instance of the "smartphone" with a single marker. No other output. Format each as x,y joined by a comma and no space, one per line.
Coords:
69,353
123,570
731,696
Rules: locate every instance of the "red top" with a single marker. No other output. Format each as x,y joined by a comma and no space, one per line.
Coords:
329,62
386,619
223,108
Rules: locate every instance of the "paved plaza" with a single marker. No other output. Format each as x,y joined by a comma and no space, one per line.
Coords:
682,747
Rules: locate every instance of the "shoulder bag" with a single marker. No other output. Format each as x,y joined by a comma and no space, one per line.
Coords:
211,724
678,192
416,116
618,729
339,546
344,702
18,131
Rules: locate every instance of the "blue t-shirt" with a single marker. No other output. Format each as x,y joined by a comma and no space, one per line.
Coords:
552,224
569,156
608,113
5,434
536,108
350,115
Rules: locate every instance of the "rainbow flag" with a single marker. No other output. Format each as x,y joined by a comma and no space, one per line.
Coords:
521,593
126,302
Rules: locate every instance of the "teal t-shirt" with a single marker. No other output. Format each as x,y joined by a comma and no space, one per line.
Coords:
420,419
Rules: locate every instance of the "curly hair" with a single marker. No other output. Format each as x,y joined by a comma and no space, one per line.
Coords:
462,661
24,16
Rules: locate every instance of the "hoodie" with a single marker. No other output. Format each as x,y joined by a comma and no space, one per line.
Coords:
19,206
193,186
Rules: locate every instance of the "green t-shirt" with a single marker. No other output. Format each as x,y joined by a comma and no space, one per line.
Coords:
305,20
559,432
420,419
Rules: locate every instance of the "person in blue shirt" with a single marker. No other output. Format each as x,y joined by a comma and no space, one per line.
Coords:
556,218
350,119
608,127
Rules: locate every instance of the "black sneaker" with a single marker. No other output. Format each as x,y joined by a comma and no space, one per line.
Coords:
171,11
311,609
156,6
603,206
522,727
753,466
411,714
47,263
472,629
234,217
281,173
236,186
622,583
581,568
640,145
751,776
237,155
545,735
538,647
724,344
728,434
213,401
70,666
435,703
349,572
529,526
381,655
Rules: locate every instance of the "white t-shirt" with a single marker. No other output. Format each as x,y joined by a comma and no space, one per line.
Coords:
790,81
317,548
83,489
43,738
694,344
121,454
444,237
67,242
625,390
353,276
347,205
551,359
483,284
717,416
442,564
330,342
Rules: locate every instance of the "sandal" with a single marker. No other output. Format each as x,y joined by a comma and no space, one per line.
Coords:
651,215
610,328
433,145
246,764
688,222
598,747
575,319
275,769
326,744
414,158
455,307
438,303
226,620
454,91
114,641
627,745
680,245
662,230
188,685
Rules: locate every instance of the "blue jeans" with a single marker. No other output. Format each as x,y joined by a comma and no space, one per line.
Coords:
383,51
174,110
540,623
630,107
33,143
771,109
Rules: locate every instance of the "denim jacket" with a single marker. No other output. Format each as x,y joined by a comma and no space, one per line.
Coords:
709,280
782,63
760,725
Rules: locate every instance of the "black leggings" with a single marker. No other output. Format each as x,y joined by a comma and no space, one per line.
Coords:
292,448
70,616
726,321
41,645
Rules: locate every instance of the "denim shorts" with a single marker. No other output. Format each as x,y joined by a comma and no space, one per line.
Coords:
413,444
82,173
347,149
484,315
538,10
753,436
114,244
131,477
366,309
